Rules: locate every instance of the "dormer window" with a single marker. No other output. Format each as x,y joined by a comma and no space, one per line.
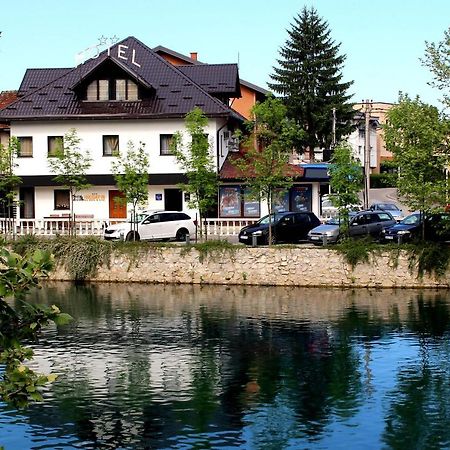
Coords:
105,90
126,90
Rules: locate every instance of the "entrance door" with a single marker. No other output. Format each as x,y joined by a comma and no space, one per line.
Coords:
26,195
117,205
173,200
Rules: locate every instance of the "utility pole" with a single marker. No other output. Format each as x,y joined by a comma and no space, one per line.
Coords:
367,111
334,129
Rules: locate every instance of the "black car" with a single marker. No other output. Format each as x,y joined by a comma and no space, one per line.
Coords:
286,227
437,228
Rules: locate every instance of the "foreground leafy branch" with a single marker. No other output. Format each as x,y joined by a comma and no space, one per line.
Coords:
18,274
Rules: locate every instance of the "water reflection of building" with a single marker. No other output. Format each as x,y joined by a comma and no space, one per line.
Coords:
282,302
152,363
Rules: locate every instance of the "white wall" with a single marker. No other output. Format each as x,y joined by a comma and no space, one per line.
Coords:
357,143
96,201
91,132
91,135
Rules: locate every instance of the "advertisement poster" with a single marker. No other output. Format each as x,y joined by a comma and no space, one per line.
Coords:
280,201
230,201
301,198
251,205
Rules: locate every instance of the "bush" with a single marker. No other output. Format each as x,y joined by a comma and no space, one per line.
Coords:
383,180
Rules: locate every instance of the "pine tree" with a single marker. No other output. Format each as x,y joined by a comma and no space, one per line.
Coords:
309,78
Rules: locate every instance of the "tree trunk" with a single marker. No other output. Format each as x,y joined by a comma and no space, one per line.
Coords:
72,228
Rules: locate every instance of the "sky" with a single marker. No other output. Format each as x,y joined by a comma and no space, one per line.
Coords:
383,40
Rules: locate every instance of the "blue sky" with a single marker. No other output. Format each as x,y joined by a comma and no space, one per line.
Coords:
383,40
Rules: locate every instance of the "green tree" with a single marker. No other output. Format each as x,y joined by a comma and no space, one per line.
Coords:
309,78
8,180
346,179
70,165
131,176
18,274
437,59
267,148
197,160
417,136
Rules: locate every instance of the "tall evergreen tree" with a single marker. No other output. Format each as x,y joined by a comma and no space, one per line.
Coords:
309,78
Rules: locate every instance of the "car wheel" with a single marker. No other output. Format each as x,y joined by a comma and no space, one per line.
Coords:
181,234
133,236
273,240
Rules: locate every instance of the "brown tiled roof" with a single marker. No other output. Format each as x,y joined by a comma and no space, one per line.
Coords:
229,171
161,50
7,97
216,79
173,95
37,78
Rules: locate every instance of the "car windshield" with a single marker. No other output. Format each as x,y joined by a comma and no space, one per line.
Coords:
274,218
388,207
334,221
413,219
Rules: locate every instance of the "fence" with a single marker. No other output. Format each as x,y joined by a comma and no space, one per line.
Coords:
55,226
94,227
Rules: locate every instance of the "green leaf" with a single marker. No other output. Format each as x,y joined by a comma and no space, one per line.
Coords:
62,319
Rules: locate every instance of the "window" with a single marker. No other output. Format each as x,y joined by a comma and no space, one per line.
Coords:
165,141
55,145
126,90
62,199
383,217
25,147
104,90
98,90
110,145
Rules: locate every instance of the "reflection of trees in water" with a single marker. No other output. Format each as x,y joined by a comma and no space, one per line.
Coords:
318,370
418,415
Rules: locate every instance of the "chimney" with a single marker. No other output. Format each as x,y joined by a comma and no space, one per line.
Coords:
194,56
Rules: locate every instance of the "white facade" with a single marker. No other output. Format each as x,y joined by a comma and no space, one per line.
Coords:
357,141
94,202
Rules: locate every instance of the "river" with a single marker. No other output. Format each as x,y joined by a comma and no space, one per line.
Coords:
184,367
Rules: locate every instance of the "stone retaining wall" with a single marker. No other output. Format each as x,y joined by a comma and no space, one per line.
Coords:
259,266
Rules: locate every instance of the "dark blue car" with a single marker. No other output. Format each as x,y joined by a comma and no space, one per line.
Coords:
437,228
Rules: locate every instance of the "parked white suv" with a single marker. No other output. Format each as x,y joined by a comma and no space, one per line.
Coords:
153,225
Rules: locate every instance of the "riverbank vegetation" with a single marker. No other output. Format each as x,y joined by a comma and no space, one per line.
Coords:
82,256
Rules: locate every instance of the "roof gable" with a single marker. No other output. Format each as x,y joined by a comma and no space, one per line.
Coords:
107,66
175,94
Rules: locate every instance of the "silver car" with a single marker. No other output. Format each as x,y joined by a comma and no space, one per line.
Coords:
326,233
391,208
361,224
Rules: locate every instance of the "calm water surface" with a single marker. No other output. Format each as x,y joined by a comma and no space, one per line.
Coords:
260,368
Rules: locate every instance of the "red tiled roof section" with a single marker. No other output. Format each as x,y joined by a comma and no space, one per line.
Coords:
7,97
229,171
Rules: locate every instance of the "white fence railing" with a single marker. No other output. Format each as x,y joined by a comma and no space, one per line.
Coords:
226,227
94,227
54,226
